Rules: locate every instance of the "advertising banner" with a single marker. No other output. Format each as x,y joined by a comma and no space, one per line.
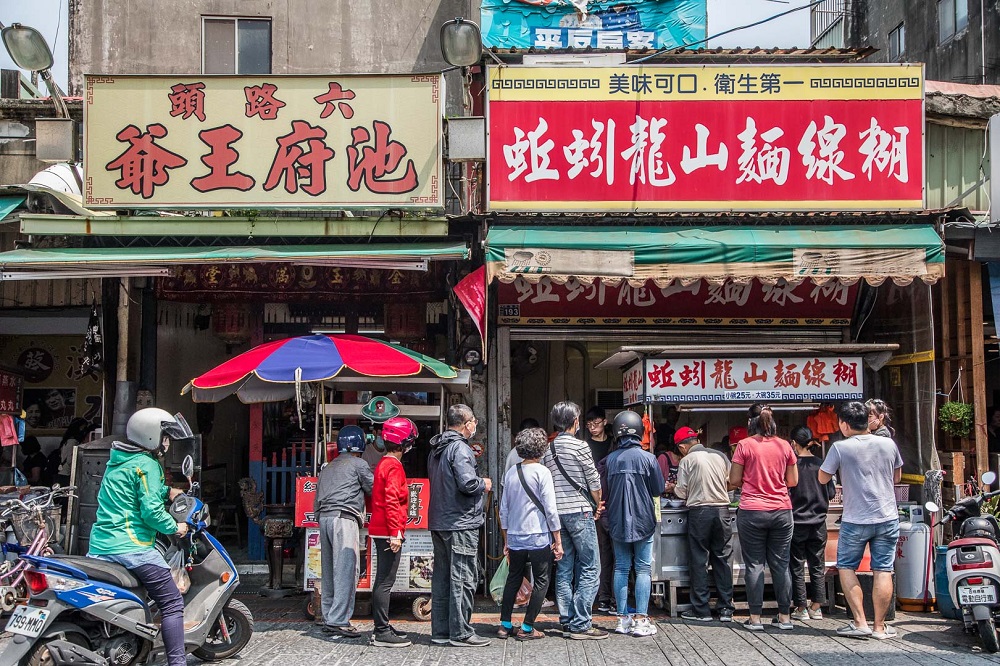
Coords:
263,141
705,138
597,24
775,379
547,302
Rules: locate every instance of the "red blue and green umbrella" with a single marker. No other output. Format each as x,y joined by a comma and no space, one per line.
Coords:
271,371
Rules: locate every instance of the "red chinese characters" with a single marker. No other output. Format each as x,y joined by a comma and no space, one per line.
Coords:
144,163
335,99
846,373
186,100
372,164
261,101
693,374
722,375
219,160
661,376
293,163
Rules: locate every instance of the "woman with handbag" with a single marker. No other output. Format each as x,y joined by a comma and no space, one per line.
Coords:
531,529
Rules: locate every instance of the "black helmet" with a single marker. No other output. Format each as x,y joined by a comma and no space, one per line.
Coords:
627,423
978,527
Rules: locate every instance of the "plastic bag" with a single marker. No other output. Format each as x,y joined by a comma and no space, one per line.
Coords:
524,593
175,560
499,580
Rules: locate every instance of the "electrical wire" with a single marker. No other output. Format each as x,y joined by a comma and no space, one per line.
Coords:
731,30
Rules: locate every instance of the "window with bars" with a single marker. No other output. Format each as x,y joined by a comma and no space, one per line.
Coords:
236,45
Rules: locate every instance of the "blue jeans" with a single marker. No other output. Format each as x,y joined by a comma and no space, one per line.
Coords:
578,572
880,538
639,553
453,583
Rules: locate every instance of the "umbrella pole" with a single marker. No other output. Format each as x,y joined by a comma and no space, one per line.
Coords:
320,414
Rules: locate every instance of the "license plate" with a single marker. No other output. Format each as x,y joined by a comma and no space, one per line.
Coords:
977,594
27,621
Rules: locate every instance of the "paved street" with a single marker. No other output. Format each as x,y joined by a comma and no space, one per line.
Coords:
283,637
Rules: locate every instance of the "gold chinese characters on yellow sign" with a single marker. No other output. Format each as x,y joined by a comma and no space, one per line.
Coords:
271,141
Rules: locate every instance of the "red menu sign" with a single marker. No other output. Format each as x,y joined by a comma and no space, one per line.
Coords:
417,503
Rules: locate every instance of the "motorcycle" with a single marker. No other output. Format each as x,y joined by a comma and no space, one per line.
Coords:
89,612
973,563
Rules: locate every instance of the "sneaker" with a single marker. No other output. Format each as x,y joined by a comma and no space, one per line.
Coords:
778,624
387,639
644,627
548,603
401,634
592,634
625,624
852,631
471,641
440,641
604,607
886,633
816,614
342,632
726,615
695,617
800,614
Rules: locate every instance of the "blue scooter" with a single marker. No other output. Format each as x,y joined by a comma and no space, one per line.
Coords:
88,612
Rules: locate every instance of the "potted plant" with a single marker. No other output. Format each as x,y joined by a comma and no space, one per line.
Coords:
956,418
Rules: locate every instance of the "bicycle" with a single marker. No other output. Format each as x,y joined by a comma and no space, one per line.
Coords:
33,523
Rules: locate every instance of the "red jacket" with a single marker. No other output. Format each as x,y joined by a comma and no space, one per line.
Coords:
390,497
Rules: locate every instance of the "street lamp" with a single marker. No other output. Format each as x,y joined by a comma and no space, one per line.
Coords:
29,50
461,42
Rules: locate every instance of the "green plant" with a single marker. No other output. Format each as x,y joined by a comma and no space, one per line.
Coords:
956,418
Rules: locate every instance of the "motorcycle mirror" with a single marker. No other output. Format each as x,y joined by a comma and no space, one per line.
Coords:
187,468
988,478
931,507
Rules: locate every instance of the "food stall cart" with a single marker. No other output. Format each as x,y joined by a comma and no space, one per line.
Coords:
348,364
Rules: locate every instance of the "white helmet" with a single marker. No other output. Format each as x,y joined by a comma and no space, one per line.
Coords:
147,427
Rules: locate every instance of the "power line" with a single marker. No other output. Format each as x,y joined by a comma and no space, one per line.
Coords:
726,32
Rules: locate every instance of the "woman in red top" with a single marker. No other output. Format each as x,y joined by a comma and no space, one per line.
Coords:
765,466
390,495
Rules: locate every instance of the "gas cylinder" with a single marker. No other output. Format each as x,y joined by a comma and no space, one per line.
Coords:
914,568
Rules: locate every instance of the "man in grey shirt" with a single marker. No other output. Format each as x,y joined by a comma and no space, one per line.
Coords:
340,506
869,466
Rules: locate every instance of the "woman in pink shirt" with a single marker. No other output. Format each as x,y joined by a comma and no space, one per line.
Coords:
764,465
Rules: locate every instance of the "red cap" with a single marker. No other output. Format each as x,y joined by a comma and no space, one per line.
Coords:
683,434
736,433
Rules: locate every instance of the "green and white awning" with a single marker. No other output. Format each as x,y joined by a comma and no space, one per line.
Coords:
900,253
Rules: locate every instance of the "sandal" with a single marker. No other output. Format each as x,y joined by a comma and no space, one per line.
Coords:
503,632
852,631
532,635
753,626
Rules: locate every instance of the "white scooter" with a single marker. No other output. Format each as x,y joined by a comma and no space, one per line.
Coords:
973,564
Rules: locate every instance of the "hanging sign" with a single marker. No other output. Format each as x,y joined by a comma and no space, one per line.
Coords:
720,379
705,138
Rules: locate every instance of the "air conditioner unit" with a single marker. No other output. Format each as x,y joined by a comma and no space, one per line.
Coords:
609,398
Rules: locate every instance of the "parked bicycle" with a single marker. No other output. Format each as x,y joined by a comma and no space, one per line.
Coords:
34,523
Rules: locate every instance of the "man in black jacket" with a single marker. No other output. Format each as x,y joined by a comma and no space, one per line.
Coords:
455,515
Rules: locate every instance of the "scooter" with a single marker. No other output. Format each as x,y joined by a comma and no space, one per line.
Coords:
973,564
88,612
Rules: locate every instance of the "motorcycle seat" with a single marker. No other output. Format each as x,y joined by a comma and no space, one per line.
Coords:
107,572
971,541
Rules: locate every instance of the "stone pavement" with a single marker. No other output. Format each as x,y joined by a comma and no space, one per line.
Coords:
283,636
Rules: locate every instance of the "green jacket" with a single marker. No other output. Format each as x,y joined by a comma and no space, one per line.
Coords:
130,505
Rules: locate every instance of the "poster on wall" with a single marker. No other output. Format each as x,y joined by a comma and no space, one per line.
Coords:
58,385
593,24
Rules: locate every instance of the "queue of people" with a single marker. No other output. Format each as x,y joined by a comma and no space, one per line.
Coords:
590,509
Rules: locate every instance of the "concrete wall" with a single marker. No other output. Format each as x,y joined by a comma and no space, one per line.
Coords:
959,59
307,36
